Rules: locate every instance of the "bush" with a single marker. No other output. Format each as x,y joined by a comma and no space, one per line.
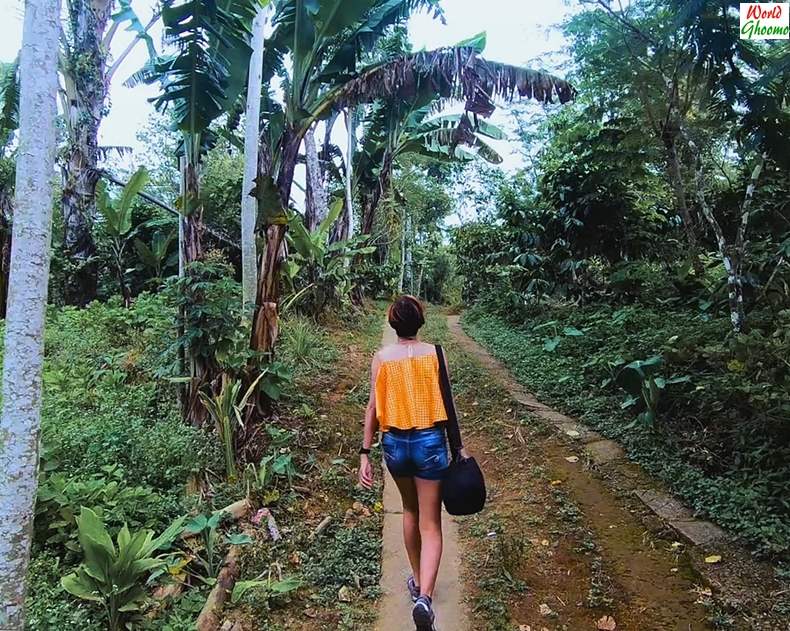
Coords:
48,606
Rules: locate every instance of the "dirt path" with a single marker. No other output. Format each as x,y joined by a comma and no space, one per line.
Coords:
556,548
395,605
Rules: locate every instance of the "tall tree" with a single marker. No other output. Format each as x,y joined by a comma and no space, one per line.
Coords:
201,78
24,330
87,72
249,209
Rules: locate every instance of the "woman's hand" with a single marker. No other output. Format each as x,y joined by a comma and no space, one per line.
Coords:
365,472
464,453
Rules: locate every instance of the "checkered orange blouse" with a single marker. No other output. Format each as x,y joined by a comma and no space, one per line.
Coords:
408,395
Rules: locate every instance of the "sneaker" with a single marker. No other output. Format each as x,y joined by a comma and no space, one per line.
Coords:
422,613
414,591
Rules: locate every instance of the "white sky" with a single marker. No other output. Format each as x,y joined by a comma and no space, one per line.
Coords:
519,32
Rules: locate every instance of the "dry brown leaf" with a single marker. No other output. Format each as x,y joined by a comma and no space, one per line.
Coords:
524,627
545,610
607,623
572,458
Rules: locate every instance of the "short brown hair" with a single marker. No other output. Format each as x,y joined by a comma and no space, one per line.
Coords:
406,315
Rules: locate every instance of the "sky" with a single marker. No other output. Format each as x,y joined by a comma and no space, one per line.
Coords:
519,32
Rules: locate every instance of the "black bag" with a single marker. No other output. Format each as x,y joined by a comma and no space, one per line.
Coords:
463,488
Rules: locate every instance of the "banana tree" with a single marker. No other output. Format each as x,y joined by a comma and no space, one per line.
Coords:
399,129
117,223
201,80
86,72
325,39
322,264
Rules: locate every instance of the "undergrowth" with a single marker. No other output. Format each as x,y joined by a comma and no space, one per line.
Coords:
721,439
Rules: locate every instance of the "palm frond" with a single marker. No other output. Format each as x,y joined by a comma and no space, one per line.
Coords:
456,72
206,73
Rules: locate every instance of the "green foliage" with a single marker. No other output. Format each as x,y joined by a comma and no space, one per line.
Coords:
226,409
350,555
104,406
640,379
108,494
114,574
207,528
318,270
208,300
48,606
722,442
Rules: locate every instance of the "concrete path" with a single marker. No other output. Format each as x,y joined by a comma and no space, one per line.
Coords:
395,604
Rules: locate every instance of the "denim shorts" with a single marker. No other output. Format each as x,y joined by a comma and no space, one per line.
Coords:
416,453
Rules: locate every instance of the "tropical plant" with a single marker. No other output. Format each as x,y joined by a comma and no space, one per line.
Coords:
107,494
323,41
117,224
155,256
323,266
201,80
643,383
114,574
226,409
207,527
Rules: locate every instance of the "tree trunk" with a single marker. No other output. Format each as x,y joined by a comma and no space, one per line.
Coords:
348,214
191,248
315,201
24,331
86,92
6,224
265,325
371,203
732,255
249,207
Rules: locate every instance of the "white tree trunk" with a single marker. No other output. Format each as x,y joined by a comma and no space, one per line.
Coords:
24,335
351,128
249,204
316,203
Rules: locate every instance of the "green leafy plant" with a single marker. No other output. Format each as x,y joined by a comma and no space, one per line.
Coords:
117,224
154,256
107,494
115,575
226,410
268,588
207,527
640,379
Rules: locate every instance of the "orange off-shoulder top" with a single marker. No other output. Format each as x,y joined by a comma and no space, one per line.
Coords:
408,395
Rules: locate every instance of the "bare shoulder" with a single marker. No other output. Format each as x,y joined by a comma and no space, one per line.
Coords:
387,352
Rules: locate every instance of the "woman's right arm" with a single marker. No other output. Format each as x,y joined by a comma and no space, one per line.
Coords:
371,427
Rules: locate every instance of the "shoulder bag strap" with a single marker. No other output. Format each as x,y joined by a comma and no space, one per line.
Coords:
453,431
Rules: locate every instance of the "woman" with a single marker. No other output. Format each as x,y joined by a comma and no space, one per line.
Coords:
406,404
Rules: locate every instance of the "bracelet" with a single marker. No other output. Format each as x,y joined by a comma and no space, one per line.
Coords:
363,451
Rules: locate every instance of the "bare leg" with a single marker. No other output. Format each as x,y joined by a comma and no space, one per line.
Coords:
411,524
429,499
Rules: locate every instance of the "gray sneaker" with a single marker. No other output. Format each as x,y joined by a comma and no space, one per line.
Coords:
422,613
414,591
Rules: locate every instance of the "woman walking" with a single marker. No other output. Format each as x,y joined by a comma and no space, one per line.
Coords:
406,405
